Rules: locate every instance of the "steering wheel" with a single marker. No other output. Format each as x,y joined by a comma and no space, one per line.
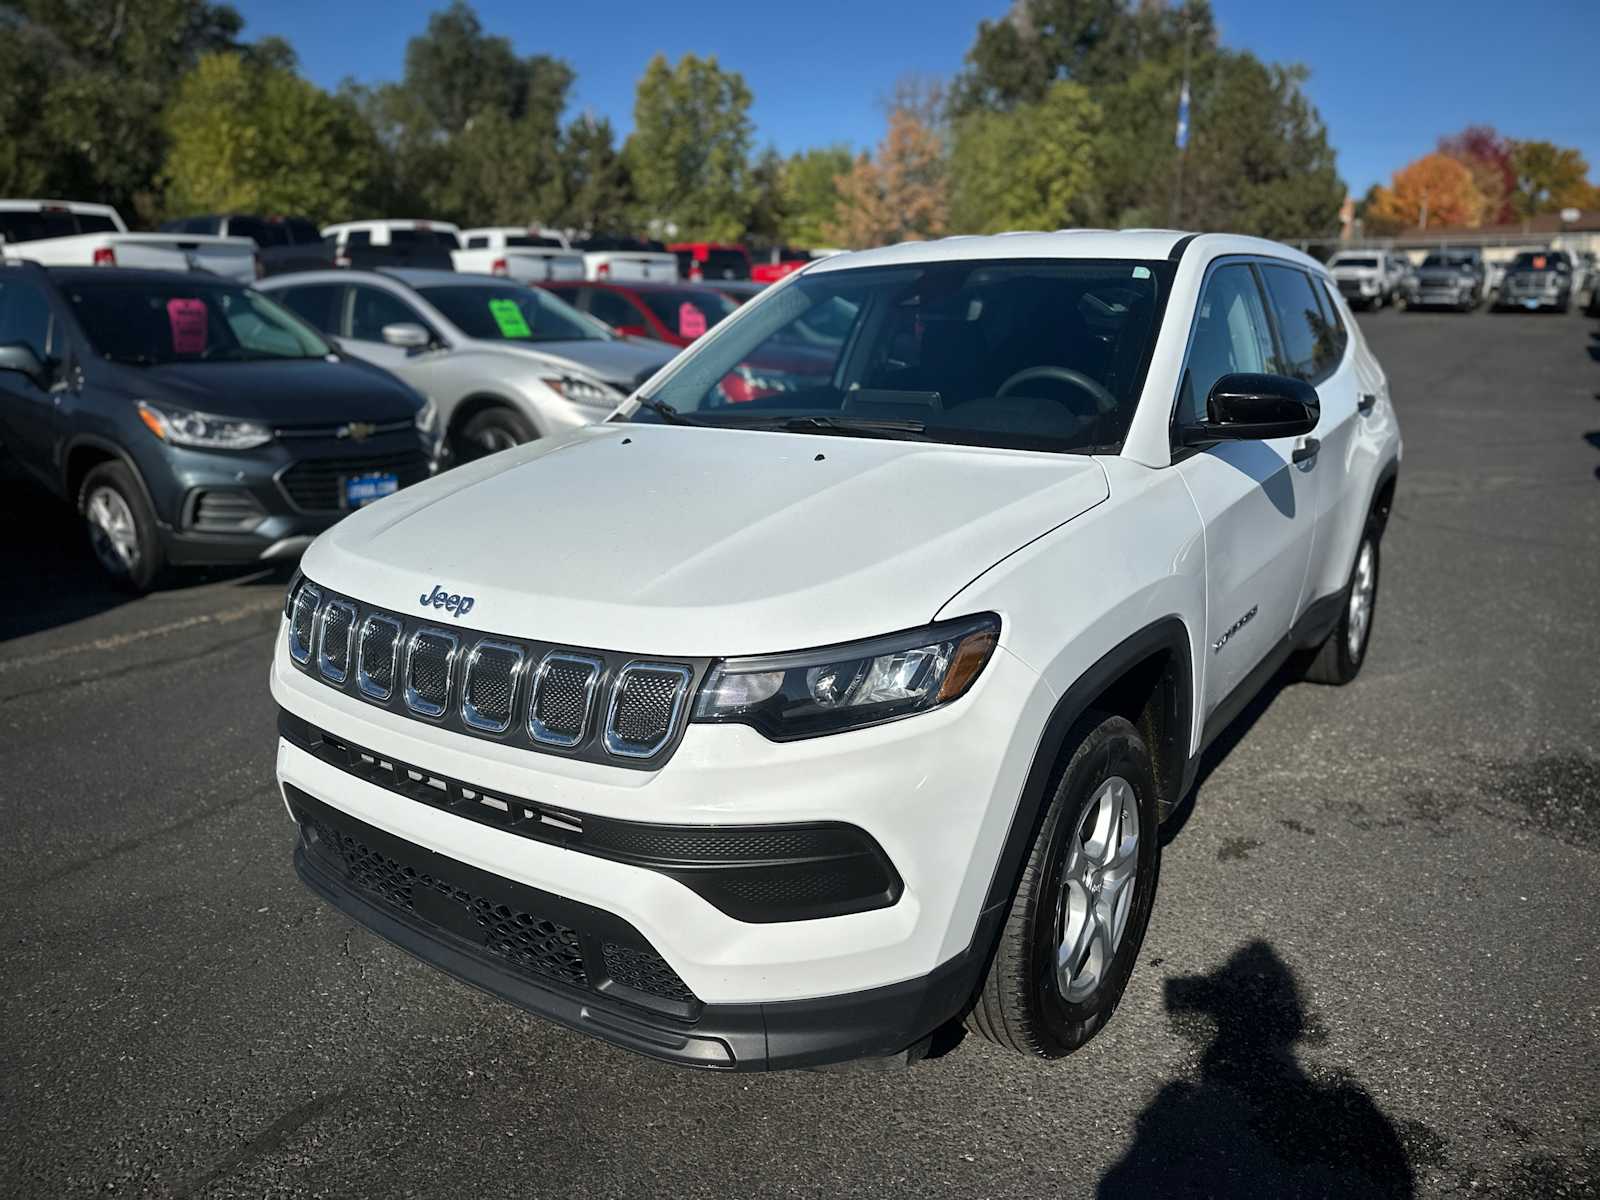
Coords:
1104,401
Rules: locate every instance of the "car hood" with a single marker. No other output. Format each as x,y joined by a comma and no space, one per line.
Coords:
289,392
620,362
1346,271
1444,274
652,539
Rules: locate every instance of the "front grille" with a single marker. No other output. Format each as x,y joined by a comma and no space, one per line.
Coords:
644,707
563,697
333,650
303,621
588,704
317,484
225,511
489,690
430,664
379,654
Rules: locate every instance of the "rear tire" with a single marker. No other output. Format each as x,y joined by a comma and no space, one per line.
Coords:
121,527
1338,660
490,431
1079,914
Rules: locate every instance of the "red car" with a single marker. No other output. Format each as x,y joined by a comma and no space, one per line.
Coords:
675,313
710,260
779,262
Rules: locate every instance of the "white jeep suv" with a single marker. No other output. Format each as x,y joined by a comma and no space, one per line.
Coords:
782,731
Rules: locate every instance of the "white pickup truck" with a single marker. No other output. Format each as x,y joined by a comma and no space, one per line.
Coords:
527,255
66,233
627,260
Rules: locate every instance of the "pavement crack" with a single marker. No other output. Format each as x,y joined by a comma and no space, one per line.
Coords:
138,668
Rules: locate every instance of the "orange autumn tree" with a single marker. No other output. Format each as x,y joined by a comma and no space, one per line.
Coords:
900,194
1436,190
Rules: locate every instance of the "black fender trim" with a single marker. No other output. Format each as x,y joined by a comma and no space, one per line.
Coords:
1167,634
117,452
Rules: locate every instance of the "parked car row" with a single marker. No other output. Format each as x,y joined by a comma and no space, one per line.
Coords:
1460,279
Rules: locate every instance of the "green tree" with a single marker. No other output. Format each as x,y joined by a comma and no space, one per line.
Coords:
689,151
1550,178
472,131
83,89
1034,167
598,193
811,193
768,213
247,135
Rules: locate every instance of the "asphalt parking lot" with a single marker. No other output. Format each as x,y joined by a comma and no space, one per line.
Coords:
1373,968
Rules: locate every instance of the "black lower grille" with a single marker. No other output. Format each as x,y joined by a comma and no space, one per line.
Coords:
529,940
644,972
317,484
225,511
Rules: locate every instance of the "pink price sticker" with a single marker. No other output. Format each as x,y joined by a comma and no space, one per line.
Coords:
188,321
691,321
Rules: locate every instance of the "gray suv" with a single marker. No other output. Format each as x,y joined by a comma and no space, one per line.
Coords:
191,420
1449,279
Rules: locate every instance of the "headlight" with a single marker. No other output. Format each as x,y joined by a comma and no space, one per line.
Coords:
183,427
813,692
582,391
427,418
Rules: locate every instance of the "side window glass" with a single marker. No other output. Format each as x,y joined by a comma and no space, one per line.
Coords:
373,309
25,316
1332,336
477,243
613,309
358,237
1230,337
1299,319
317,305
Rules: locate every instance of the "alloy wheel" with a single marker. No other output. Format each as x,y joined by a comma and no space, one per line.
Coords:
1362,590
112,531
1097,889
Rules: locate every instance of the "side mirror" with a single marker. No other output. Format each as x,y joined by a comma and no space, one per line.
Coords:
1255,408
19,357
407,335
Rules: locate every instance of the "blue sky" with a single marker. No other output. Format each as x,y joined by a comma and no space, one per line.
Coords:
1389,76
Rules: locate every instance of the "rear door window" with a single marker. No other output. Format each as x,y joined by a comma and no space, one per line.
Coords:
1332,335
1299,318
613,308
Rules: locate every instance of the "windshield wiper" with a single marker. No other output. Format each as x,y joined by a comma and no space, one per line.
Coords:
856,427
666,412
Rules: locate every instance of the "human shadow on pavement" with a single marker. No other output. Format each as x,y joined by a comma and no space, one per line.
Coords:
1253,1123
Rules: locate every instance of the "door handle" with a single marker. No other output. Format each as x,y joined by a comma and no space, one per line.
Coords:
1307,449
1368,401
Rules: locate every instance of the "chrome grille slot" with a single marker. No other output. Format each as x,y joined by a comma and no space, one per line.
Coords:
646,702
489,685
430,670
303,622
378,656
333,645
563,697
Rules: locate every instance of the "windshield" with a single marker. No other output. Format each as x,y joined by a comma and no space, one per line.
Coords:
51,223
1355,262
509,313
1447,260
620,243
532,239
688,312
1029,354
424,237
148,324
1542,260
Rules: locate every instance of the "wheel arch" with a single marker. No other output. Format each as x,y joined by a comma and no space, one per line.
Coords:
474,403
1148,678
86,452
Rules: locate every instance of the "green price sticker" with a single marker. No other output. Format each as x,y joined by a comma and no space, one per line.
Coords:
508,315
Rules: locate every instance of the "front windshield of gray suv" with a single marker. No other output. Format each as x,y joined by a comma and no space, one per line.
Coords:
1028,354
146,323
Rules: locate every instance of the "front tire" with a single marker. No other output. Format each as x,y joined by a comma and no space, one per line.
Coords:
1338,660
1079,915
490,431
121,528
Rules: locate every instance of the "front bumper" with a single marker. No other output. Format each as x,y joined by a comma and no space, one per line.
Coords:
936,792
589,970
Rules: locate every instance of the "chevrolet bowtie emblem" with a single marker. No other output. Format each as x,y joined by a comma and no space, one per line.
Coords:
357,431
